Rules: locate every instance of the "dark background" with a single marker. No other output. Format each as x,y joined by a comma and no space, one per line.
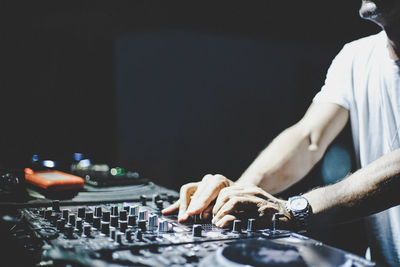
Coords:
172,89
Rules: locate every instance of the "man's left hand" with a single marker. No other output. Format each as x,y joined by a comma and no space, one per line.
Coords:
239,200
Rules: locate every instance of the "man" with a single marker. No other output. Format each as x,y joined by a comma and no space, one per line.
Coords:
363,84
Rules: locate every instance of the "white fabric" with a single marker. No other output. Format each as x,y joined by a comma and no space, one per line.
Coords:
366,81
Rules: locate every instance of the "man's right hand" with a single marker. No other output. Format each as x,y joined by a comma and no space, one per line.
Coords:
195,198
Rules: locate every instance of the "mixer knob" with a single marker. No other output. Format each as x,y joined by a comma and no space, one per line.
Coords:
163,226
81,212
134,210
60,224
122,215
65,214
126,208
87,229
106,216
170,199
153,220
197,230
139,234
98,211
119,238
114,210
160,204
96,222
123,225
251,225
143,200
56,205
142,225
89,217
47,214
78,224
156,197
114,221
132,220
105,228
143,215
237,225
71,219
128,236
69,231
113,232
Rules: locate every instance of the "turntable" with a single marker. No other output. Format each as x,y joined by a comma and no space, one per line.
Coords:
294,250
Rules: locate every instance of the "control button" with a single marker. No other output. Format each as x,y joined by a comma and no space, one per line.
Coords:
143,215
134,210
123,225
114,210
47,214
143,200
123,215
71,219
113,232
105,228
126,208
98,212
131,220
237,226
156,197
160,204
153,221
56,205
81,212
197,230
128,236
89,217
139,235
87,229
79,224
106,216
163,226
251,225
114,220
69,231
96,222
65,214
119,238
142,225
60,224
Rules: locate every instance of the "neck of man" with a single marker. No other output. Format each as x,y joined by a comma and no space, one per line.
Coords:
393,34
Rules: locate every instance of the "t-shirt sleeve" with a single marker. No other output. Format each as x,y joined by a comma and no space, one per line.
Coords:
338,83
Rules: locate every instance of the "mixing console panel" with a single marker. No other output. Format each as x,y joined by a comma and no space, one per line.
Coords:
136,234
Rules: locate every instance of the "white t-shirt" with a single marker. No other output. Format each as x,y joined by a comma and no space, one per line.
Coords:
365,80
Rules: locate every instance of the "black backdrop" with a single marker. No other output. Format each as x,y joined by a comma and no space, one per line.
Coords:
173,89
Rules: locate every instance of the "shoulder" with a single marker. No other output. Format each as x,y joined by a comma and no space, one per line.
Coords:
365,44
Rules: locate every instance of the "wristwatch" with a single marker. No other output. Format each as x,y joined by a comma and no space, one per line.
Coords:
300,209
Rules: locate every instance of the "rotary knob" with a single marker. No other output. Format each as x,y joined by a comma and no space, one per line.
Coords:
123,215
106,216
89,217
71,219
105,228
143,200
79,224
96,222
114,221
134,210
132,220
81,212
163,226
98,212
237,225
87,229
153,221
142,225
197,230
251,225
143,215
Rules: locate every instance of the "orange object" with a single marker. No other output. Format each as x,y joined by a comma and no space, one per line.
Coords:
54,180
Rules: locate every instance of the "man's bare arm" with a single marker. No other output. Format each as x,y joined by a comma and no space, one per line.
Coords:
371,189
296,150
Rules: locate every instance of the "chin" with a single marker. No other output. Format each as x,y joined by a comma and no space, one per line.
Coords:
368,10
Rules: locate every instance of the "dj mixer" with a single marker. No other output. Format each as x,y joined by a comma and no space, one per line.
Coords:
135,233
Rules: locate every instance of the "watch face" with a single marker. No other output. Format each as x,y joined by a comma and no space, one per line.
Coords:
299,204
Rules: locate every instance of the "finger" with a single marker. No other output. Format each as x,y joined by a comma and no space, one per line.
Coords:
171,209
208,190
225,221
186,192
206,214
224,196
228,208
